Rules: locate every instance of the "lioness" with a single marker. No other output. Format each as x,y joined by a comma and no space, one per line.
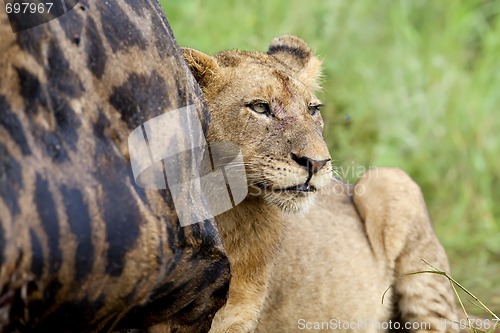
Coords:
338,252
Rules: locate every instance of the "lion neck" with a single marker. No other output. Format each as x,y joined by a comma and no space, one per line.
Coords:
251,231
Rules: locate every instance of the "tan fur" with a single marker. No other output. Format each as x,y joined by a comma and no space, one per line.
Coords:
334,262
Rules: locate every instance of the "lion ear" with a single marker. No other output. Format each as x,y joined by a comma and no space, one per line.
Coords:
294,52
203,66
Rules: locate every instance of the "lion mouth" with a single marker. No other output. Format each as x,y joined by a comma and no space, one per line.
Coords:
297,188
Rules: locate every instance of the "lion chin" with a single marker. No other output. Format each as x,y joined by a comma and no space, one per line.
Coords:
291,202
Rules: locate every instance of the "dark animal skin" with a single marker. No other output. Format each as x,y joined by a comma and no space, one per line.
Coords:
82,248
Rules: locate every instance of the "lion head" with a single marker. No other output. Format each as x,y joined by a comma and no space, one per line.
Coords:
265,103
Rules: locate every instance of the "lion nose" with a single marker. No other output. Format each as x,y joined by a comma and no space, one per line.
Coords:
311,165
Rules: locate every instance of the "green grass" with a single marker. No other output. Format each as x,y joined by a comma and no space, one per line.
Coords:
412,83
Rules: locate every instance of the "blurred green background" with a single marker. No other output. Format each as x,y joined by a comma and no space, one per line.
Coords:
412,83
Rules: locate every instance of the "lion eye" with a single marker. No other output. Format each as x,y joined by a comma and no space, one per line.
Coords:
260,107
314,108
